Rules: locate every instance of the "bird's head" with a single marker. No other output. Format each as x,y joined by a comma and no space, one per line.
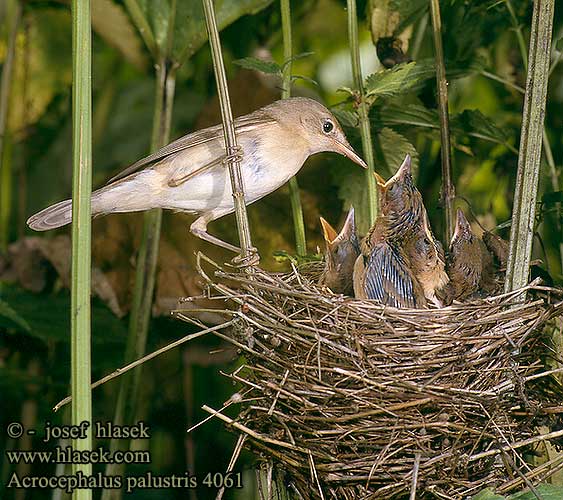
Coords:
341,248
314,123
396,194
463,234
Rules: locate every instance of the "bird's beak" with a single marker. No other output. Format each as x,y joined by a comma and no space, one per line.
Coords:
328,232
380,180
349,227
462,226
404,170
345,149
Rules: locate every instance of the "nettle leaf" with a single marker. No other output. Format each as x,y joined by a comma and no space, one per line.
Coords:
302,55
408,77
305,79
413,115
396,80
469,123
390,150
476,124
255,64
348,119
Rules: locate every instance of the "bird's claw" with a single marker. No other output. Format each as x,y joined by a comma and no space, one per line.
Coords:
251,260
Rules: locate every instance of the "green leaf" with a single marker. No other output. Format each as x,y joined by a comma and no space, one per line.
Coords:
348,119
305,79
407,77
488,494
189,29
302,55
469,123
397,80
112,23
476,124
255,64
7,312
559,44
547,492
47,316
390,150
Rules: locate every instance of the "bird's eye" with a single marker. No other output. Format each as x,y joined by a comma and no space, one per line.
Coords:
426,241
328,126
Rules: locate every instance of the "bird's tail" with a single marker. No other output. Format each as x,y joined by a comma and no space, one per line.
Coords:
57,215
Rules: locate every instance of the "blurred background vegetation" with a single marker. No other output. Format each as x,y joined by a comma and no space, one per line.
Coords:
484,44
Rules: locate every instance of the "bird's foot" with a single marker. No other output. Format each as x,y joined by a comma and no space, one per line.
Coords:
250,260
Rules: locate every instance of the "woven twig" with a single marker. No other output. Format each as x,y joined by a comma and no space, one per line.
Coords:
355,400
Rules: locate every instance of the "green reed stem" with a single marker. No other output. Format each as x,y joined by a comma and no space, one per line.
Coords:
296,206
6,177
81,231
363,110
529,157
228,130
448,191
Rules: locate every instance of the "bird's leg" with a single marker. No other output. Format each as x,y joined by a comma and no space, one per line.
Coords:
199,229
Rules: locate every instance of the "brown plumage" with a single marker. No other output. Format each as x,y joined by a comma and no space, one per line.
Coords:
427,261
383,271
469,263
402,203
341,252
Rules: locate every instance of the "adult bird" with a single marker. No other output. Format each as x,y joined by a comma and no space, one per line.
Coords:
341,252
190,174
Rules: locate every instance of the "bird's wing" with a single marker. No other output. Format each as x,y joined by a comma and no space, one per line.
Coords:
243,124
388,278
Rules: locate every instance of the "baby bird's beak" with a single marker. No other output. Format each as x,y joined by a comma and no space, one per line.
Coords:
404,170
380,180
345,149
329,232
346,233
462,226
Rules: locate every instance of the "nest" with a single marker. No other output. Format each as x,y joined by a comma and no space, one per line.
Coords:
352,400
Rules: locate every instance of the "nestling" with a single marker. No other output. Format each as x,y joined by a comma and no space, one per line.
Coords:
341,252
469,264
190,174
427,261
401,203
383,271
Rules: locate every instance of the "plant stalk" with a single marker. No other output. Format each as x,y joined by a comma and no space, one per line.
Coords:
448,191
529,157
6,184
363,110
296,206
81,231
232,148
145,273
